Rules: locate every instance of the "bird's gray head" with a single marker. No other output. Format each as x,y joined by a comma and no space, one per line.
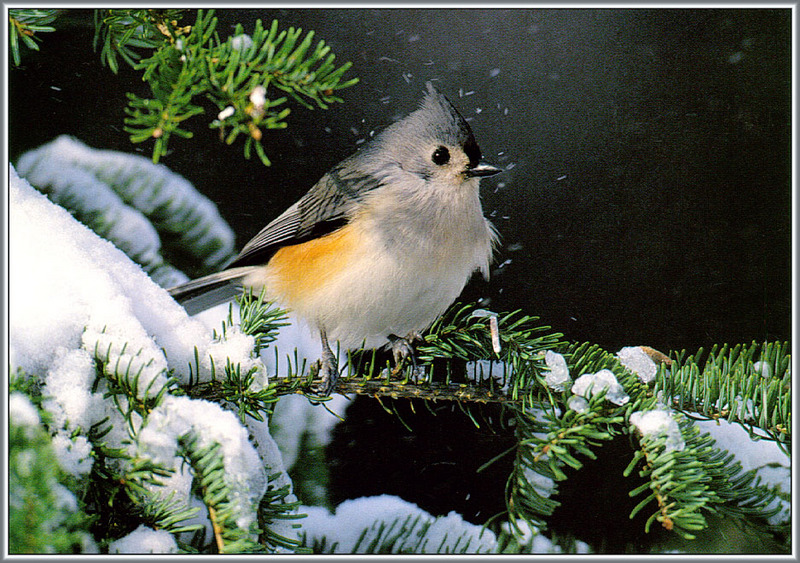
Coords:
433,143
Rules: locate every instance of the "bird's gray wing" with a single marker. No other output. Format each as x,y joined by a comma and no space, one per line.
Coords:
326,207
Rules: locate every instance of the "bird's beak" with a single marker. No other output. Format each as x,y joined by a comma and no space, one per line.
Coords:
482,170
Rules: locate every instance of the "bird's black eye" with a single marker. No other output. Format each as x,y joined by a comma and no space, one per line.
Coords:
441,156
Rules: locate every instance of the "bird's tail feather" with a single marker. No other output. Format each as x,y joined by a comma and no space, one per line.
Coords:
209,291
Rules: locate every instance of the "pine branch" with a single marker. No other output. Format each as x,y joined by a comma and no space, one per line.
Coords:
746,384
275,507
464,334
123,371
120,32
124,484
404,530
184,65
684,484
547,443
207,463
235,385
188,63
24,24
168,513
236,388
258,318
174,83
678,484
695,478
398,389
550,440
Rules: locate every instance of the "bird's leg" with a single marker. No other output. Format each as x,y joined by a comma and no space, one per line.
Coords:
403,349
328,367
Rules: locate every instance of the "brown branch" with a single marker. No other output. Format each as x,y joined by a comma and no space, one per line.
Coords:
402,390
395,389
212,515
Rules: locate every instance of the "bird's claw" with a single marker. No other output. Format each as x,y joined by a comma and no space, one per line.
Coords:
402,350
327,368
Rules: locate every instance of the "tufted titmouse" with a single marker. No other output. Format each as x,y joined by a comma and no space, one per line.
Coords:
380,246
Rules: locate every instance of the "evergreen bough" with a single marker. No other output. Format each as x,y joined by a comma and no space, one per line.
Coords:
236,74
248,78
24,24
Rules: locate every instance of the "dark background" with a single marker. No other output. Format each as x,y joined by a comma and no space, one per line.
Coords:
646,197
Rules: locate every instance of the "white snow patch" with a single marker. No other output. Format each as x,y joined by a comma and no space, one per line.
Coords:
658,423
558,376
21,411
764,457
145,540
74,454
590,384
764,369
578,404
69,287
412,529
176,417
241,42
636,360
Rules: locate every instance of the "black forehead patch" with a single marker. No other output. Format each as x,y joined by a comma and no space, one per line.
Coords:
472,151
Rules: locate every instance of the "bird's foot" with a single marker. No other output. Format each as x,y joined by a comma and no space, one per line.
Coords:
327,368
403,350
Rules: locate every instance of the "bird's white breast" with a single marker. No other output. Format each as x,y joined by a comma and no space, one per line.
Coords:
398,265
417,257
